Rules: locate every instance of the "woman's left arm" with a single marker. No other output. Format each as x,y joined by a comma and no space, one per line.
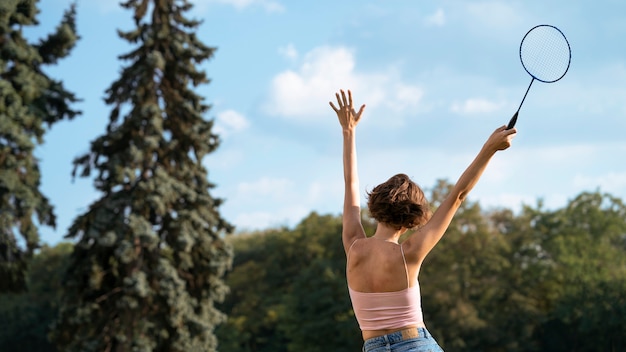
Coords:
349,118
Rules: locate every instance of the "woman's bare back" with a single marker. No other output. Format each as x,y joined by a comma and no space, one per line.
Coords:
376,265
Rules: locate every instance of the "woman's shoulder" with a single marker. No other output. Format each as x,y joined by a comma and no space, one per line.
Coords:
362,247
358,244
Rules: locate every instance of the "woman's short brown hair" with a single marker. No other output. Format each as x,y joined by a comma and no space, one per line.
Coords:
399,203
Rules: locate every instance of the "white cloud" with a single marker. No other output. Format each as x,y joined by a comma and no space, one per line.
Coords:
558,154
267,5
303,93
272,202
611,182
251,221
437,19
323,72
268,188
513,201
494,13
255,220
288,52
323,191
230,121
406,96
554,174
476,106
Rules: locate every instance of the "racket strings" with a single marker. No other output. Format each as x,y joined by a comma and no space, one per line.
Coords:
545,54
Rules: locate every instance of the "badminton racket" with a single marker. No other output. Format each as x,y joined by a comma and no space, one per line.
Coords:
545,54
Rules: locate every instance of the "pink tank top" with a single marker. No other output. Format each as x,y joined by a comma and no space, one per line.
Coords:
388,310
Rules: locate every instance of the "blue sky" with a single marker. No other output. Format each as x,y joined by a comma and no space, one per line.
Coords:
437,77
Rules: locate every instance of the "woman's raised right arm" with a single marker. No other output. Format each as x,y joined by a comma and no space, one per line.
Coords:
422,242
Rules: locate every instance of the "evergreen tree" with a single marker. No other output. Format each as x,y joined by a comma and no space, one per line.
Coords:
150,254
29,99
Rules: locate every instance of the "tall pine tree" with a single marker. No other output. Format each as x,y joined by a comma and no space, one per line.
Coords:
150,256
29,99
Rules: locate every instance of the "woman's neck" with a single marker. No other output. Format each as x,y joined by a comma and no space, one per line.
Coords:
387,233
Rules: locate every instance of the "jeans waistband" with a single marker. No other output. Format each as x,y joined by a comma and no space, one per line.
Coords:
400,335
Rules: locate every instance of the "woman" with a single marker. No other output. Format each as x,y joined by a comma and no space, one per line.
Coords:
382,274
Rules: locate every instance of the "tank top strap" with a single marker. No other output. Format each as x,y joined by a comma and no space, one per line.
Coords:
408,281
353,242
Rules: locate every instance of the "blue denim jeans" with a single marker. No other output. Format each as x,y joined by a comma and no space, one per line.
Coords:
403,342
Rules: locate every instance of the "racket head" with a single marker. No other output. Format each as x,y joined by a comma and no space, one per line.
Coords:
545,53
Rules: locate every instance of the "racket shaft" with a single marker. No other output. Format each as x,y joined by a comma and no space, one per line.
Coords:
514,118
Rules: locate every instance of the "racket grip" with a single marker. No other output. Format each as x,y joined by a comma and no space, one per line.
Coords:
512,122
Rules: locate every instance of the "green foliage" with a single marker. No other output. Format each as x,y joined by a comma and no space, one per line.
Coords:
587,284
288,291
28,100
150,257
318,304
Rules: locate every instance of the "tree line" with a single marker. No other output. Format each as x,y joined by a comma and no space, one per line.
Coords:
538,280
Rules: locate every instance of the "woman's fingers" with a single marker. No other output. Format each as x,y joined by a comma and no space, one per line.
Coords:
345,100
360,111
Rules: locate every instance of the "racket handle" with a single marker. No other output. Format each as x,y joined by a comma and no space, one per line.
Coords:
512,122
